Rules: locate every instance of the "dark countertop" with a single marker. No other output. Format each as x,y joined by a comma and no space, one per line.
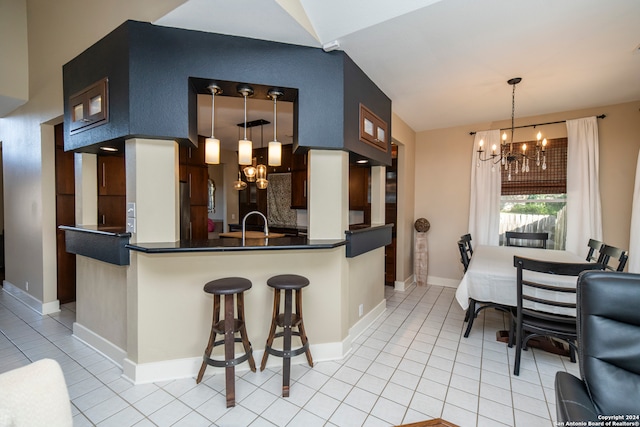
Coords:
233,244
108,231
365,228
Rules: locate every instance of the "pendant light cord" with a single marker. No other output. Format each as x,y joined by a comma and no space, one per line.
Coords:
213,104
513,112
245,116
275,119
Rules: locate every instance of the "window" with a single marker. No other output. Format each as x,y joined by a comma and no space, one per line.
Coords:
535,201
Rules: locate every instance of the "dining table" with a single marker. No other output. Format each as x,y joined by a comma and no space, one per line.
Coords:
491,275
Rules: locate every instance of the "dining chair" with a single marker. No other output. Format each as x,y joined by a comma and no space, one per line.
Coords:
534,240
464,255
538,303
609,356
594,245
610,254
466,238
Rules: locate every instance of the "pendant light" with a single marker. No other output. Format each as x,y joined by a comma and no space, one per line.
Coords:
261,169
239,184
275,147
212,145
245,149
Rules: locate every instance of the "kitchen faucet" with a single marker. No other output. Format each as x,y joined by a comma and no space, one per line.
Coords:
244,224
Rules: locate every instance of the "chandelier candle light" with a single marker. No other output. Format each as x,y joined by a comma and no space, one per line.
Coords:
507,156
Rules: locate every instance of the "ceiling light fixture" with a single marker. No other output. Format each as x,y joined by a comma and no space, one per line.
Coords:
261,169
245,149
330,46
275,147
239,184
506,155
212,145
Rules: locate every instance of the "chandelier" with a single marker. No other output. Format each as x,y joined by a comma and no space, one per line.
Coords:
518,159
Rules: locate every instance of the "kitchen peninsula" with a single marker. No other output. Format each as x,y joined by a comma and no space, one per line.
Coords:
152,316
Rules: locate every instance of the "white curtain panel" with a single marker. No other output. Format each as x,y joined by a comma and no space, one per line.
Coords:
484,204
584,211
634,236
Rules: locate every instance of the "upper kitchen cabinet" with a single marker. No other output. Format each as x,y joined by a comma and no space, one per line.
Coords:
154,83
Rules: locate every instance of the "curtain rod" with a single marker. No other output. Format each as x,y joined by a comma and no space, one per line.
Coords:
601,116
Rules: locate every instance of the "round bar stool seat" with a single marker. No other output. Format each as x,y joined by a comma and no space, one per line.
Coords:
228,287
287,283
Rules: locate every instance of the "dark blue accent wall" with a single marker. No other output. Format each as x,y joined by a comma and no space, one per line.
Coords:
156,72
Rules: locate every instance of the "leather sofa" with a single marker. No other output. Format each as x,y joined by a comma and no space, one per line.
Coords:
608,351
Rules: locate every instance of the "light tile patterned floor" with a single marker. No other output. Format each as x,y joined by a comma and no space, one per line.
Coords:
412,364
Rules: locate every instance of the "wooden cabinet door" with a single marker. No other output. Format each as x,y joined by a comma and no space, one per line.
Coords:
199,224
358,187
299,189
111,176
112,211
197,178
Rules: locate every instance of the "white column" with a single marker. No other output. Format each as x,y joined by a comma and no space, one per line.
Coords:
378,184
152,184
86,183
328,194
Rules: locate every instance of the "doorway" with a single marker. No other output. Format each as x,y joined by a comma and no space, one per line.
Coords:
391,216
65,215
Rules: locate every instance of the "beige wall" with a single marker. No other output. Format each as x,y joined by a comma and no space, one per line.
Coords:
57,32
14,67
444,159
405,138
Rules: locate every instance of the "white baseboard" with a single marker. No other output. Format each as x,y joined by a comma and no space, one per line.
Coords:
29,300
443,281
142,373
361,325
98,343
166,370
406,285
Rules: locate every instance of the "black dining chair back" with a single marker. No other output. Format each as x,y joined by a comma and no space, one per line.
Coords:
594,247
610,254
537,300
464,255
466,238
527,240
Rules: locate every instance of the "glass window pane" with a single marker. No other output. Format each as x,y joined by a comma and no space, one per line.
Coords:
535,213
95,105
78,112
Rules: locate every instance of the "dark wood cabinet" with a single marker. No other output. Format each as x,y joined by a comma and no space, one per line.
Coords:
65,215
299,181
359,187
299,189
194,172
111,175
198,224
112,190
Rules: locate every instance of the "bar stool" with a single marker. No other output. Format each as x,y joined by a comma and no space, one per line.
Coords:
229,326
287,320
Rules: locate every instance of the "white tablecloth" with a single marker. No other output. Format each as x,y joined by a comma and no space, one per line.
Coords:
491,276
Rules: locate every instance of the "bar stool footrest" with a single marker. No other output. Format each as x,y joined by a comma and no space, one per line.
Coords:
290,353
226,363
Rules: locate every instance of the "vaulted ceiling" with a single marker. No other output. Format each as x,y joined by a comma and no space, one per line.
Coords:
445,63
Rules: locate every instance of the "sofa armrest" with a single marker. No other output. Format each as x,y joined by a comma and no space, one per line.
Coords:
572,399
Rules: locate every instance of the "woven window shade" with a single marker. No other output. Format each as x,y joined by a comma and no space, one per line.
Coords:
553,180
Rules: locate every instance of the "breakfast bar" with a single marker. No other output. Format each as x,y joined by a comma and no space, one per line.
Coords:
153,318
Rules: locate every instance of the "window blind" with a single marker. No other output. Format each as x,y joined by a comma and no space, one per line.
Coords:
553,180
